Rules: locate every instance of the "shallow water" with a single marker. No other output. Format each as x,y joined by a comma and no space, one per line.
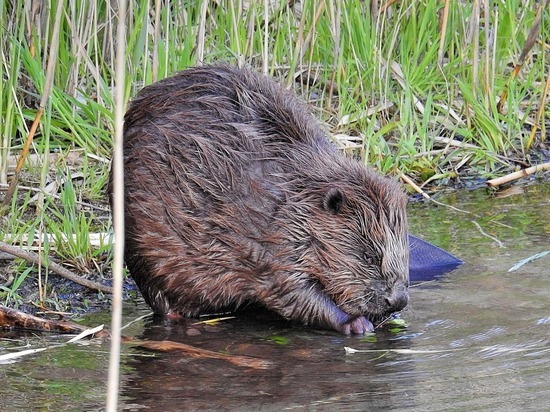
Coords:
476,339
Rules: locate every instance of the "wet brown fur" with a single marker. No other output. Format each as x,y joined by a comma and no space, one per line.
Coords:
234,195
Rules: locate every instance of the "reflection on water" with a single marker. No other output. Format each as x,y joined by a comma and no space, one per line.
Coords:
477,338
311,368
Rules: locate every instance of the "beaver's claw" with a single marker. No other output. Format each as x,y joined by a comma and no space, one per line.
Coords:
357,326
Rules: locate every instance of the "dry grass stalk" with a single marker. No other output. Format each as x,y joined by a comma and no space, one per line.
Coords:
529,43
540,112
444,20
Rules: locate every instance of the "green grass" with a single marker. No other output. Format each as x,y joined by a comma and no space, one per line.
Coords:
376,83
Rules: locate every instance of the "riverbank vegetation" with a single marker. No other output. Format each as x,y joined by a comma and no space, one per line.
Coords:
444,93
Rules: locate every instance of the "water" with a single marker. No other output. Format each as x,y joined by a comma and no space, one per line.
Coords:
476,339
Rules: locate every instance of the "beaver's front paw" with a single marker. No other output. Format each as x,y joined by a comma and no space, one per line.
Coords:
358,326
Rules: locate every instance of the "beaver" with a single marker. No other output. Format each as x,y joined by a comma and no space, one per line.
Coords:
235,195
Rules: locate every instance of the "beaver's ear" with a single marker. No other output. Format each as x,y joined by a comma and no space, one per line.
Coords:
334,200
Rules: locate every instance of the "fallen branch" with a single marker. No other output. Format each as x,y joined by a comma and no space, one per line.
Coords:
15,319
518,175
60,270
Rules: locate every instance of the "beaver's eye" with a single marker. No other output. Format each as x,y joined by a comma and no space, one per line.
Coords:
369,259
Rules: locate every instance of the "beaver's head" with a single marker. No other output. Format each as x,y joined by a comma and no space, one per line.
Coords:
354,240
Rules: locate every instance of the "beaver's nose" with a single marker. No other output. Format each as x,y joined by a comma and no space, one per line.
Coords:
397,300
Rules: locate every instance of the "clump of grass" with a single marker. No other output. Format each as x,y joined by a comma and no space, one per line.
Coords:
71,229
413,87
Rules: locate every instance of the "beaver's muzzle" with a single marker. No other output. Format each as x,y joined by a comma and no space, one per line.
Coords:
397,298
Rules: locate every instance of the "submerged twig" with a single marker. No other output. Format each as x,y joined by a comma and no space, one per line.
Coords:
194,352
527,260
426,196
15,355
350,351
60,270
498,242
483,349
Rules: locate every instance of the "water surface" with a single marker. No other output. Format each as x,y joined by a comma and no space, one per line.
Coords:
476,339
